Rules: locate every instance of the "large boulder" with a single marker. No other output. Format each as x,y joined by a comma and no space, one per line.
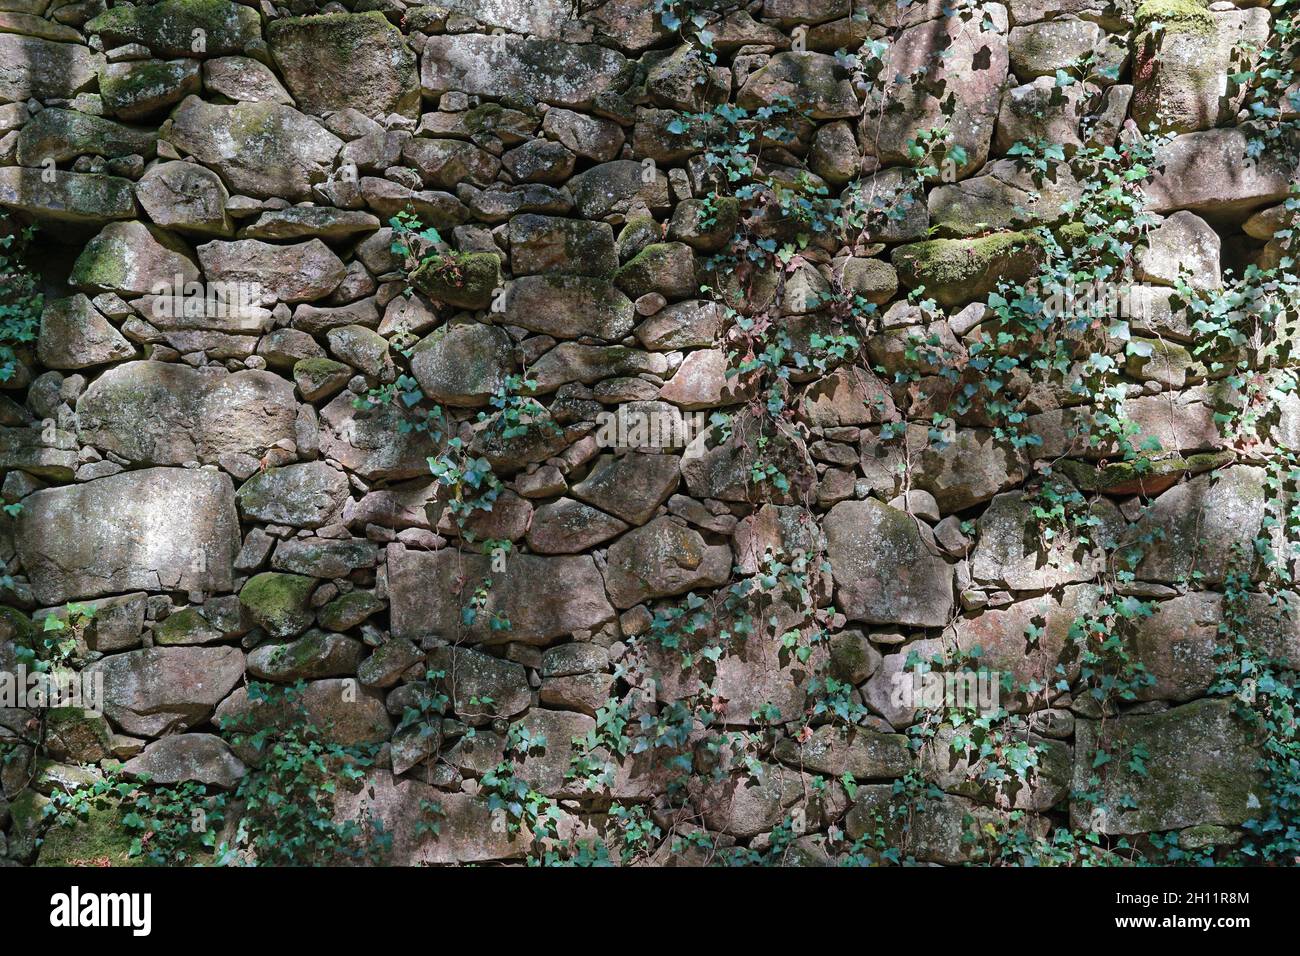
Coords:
946,72
569,307
1203,526
463,364
339,61
159,690
43,69
158,529
299,272
82,199
186,197
1183,59
133,258
259,149
663,558
1199,766
1180,643
169,28
1216,174
304,495
522,69
162,413
75,335
431,591
884,572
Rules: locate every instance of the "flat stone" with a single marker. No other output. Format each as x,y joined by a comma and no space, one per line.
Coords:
78,198
45,69
300,272
157,529
154,691
168,414
1199,767
341,61
202,758
428,592
520,69
133,258
262,150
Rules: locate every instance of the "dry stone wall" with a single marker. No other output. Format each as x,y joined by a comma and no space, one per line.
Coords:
600,412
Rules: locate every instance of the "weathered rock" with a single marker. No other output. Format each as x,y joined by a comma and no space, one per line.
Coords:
660,559
429,592
957,271
75,335
814,81
1215,174
883,571
62,135
305,495
566,246
944,831
78,198
346,60
155,691
278,603
367,441
569,307
631,486
467,833
185,197
1183,59
168,414
300,272
323,557
1201,526
446,163
570,527
305,222
136,90
244,80
159,529
315,655
519,69
1183,245
1199,766
202,758
167,28
862,754
259,149
481,686
44,69
131,257
1012,550
463,364
966,60
342,712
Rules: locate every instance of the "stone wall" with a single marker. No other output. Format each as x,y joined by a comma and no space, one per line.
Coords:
242,491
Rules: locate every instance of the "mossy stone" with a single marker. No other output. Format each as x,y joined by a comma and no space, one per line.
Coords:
958,271
637,233
466,280
1184,16
349,610
278,602
167,28
185,627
